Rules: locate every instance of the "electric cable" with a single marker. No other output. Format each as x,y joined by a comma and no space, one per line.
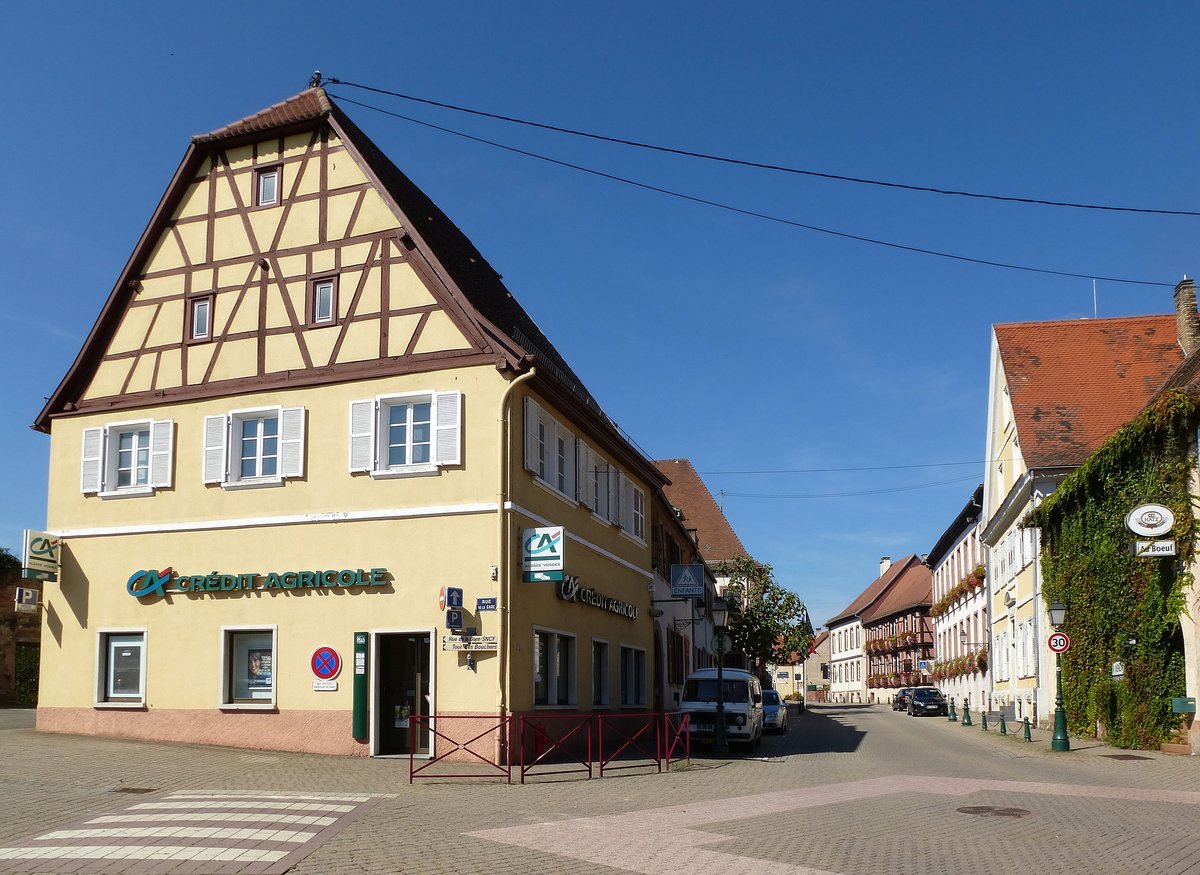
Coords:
758,165
755,214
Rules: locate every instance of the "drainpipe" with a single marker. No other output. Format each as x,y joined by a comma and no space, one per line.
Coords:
503,578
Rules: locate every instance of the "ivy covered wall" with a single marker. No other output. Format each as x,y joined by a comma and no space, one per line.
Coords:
1114,598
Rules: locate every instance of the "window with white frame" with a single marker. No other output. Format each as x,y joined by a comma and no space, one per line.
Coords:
553,668
633,676
127,458
254,447
266,186
121,667
322,301
405,434
550,449
248,658
632,512
599,672
200,311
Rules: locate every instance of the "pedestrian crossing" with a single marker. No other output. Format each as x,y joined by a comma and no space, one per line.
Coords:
184,833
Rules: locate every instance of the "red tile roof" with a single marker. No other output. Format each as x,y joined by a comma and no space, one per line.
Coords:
1074,383
912,588
869,596
308,105
687,492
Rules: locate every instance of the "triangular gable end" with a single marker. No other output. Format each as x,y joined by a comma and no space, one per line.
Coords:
287,248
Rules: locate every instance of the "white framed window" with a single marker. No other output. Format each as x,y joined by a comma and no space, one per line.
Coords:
553,667
248,666
632,508
633,676
127,458
199,320
550,449
255,447
599,672
322,301
266,186
120,668
405,434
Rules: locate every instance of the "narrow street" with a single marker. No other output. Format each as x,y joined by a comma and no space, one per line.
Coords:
849,789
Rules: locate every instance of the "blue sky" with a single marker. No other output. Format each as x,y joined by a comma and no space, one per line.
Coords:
746,345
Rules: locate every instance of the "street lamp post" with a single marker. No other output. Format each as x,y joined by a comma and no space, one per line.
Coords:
1060,740
720,739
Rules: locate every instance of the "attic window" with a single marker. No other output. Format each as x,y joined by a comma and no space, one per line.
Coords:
266,186
199,316
322,301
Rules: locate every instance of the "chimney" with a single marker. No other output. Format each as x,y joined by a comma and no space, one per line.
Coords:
885,562
1187,322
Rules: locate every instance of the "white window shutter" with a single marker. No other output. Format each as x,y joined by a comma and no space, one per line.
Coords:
531,435
91,468
216,430
614,494
448,429
291,442
569,464
626,503
362,435
162,448
587,479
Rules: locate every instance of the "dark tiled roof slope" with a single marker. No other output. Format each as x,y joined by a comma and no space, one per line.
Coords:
1074,383
869,596
687,492
911,589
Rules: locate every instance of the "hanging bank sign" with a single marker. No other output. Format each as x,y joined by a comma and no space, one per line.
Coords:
145,583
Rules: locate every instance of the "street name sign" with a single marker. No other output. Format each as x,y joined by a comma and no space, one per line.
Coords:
1154,548
470,642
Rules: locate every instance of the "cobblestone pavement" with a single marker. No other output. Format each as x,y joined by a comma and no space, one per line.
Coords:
849,789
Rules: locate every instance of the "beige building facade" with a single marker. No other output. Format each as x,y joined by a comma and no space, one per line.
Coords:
308,464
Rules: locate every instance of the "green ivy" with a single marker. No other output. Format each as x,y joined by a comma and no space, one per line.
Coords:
1120,607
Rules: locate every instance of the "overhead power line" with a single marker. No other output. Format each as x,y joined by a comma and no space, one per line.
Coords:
758,165
909,488
843,470
753,213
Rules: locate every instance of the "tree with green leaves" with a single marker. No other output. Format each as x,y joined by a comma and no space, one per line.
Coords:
9,564
767,623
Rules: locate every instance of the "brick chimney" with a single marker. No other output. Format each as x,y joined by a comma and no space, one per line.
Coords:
1187,321
885,562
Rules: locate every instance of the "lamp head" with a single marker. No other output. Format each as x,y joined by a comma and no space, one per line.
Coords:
720,610
1058,614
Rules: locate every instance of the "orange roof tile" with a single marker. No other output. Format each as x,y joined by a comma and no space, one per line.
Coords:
687,492
1074,383
309,104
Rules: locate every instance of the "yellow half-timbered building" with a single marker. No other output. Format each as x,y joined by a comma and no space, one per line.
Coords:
305,461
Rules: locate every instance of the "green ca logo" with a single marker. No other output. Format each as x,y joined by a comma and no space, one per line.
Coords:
145,583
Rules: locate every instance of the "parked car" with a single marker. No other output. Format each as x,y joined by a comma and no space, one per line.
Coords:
900,702
774,711
742,695
926,700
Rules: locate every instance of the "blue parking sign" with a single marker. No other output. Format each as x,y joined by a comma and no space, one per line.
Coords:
454,618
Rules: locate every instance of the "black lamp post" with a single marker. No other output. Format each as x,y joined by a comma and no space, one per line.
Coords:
1059,741
720,739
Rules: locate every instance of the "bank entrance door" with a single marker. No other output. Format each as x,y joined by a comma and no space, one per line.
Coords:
402,666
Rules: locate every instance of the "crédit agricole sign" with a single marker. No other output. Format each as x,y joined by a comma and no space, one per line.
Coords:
146,583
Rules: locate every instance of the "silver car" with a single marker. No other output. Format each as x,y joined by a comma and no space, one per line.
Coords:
774,711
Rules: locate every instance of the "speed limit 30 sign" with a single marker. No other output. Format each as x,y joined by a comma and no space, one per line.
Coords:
1059,642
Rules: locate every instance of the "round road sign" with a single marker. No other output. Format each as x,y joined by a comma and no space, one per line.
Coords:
1059,642
326,663
442,599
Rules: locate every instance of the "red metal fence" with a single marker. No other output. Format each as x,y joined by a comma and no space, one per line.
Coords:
548,744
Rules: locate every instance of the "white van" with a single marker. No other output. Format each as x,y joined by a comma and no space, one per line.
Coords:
742,699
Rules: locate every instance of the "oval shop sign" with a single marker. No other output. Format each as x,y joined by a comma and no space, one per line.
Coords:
1150,520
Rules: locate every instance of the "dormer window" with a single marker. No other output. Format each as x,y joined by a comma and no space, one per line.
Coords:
266,186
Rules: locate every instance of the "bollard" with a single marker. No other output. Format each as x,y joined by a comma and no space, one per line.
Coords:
1028,737
983,719
966,720
952,717
1003,726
